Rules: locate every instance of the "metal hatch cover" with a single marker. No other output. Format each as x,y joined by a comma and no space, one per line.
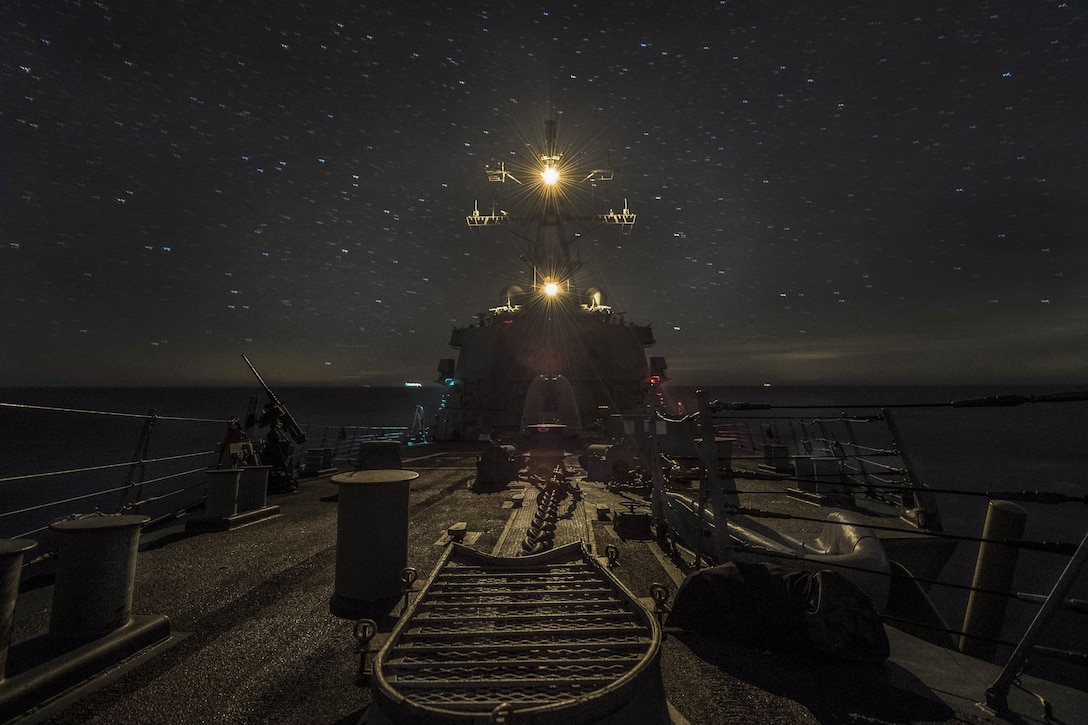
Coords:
549,638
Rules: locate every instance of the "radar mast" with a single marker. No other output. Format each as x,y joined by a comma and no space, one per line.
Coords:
549,180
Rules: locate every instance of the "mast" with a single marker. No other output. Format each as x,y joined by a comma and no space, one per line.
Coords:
549,179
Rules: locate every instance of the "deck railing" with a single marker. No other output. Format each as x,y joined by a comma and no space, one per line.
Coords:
873,464
86,471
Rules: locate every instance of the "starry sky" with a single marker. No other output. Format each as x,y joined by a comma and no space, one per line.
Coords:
827,192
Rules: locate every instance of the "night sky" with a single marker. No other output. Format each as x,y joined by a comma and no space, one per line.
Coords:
827,192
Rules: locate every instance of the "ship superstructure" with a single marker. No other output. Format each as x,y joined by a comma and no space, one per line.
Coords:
554,339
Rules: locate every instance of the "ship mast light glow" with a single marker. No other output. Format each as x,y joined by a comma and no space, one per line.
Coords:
550,175
551,289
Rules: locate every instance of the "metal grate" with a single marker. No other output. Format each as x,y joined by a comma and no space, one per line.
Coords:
548,631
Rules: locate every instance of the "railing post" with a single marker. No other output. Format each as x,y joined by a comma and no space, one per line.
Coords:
863,469
711,485
133,490
994,571
997,693
793,435
706,427
924,512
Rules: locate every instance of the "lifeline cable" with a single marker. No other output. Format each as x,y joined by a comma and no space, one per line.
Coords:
1048,547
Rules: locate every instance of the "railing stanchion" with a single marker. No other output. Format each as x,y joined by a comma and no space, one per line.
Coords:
997,694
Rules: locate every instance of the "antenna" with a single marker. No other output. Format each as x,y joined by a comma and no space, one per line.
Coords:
549,137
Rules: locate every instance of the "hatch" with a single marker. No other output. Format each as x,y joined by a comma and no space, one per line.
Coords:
547,638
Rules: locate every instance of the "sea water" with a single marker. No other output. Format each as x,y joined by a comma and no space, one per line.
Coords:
1038,446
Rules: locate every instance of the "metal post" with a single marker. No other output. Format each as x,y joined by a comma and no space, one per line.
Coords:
925,504
793,435
11,567
806,437
351,444
825,437
863,469
133,490
711,483
657,508
706,427
997,693
994,571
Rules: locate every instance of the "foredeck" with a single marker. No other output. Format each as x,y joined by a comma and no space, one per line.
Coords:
253,639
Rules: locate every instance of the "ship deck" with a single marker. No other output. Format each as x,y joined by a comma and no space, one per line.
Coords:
252,638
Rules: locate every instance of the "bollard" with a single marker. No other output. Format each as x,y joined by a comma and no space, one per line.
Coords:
11,566
779,456
827,472
497,465
222,498
253,487
371,539
768,455
806,476
994,571
96,569
374,455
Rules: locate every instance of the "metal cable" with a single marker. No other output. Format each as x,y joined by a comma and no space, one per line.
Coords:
160,497
1044,497
106,466
92,494
1044,546
54,409
948,630
1002,401
67,500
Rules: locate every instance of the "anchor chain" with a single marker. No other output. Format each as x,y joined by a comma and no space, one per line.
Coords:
541,532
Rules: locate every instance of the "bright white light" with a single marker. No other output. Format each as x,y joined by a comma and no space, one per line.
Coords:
550,175
551,289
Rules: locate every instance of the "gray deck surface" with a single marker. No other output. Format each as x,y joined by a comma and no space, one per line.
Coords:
254,640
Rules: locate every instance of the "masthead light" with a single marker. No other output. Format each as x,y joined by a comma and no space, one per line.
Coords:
550,175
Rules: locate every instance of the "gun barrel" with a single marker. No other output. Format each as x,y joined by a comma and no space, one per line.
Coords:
267,390
290,425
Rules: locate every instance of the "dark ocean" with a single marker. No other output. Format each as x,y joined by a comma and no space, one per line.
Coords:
1039,446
